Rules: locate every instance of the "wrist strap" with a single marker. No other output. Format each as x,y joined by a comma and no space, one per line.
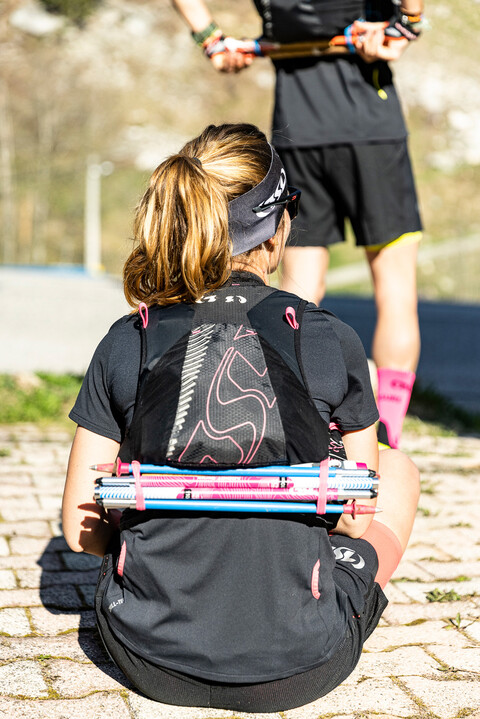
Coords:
200,37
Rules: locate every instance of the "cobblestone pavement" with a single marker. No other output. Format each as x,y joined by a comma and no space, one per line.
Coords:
422,661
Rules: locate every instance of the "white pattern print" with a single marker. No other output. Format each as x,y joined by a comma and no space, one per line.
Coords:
282,183
194,356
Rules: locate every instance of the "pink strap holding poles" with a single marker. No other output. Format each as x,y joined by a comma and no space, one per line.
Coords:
322,487
140,499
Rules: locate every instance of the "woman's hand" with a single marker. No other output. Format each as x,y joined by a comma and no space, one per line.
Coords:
87,527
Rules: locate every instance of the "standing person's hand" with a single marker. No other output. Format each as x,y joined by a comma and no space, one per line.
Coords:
372,44
223,57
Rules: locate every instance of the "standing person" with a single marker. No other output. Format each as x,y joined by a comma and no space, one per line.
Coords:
339,130
247,612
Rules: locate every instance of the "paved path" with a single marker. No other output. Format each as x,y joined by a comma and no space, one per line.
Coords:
422,661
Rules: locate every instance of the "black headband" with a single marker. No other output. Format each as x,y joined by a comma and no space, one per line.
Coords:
249,228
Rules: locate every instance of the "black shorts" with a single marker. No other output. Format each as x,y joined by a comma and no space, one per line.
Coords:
354,574
371,184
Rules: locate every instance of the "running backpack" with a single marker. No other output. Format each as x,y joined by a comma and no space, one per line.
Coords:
221,385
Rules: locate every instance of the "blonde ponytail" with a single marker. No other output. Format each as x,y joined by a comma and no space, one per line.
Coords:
183,248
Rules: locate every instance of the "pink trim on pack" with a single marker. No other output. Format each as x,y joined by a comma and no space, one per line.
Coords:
333,425
291,318
121,559
143,312
322,487
140,503
315,580
246,333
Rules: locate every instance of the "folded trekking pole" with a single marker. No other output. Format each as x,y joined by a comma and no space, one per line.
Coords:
292,489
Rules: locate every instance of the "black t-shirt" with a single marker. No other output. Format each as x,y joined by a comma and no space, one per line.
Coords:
333,99
332,355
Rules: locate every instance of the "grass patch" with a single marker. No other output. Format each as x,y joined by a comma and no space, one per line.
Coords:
440,595
431,407
42,398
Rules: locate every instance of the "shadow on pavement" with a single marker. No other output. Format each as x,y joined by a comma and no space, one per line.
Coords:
67,589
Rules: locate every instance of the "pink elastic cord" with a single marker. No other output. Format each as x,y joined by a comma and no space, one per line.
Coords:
140,499
121,559
291,318
143,311
322,487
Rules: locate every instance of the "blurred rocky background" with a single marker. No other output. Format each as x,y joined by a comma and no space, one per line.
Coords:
94,93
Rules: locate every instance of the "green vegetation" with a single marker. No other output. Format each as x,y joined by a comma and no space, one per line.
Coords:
440,595
75,10
44,398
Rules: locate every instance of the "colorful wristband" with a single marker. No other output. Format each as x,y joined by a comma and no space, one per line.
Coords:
200,37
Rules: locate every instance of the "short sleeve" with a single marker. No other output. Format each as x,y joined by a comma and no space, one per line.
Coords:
106,399
336,371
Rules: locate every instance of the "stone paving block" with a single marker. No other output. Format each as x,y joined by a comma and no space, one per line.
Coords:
52,622
97,706
88,594
405,661
19,513
50,502
462,660
473,630
452,570
20,598
61,597
143,708
81,562
26,529
387,637
405,614
424,553
23,678
75,679
411,570
4,548
394,594
34,578
446,698
7,579
14,622
381,696
418,590
29,545
84,648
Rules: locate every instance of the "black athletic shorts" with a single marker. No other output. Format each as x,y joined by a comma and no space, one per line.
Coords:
371,184
354,574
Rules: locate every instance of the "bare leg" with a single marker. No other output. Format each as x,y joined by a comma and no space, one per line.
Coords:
398,494
396,341
304,270
398,498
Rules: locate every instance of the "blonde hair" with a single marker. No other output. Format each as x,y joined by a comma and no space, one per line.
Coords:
182,244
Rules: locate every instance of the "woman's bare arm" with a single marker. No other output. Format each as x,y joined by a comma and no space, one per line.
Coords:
87,527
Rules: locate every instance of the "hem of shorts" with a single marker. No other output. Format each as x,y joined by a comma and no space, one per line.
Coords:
97,429
406,238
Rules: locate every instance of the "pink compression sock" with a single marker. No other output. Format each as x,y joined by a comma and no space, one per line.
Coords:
393,397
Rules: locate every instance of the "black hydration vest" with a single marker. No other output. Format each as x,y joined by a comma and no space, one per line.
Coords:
297,20
226,597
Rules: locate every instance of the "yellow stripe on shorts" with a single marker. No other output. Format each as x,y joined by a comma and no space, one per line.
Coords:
408,238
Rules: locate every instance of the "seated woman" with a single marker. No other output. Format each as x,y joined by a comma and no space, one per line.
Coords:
248,612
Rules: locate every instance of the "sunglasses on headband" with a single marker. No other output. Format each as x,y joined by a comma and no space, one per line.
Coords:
291,202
